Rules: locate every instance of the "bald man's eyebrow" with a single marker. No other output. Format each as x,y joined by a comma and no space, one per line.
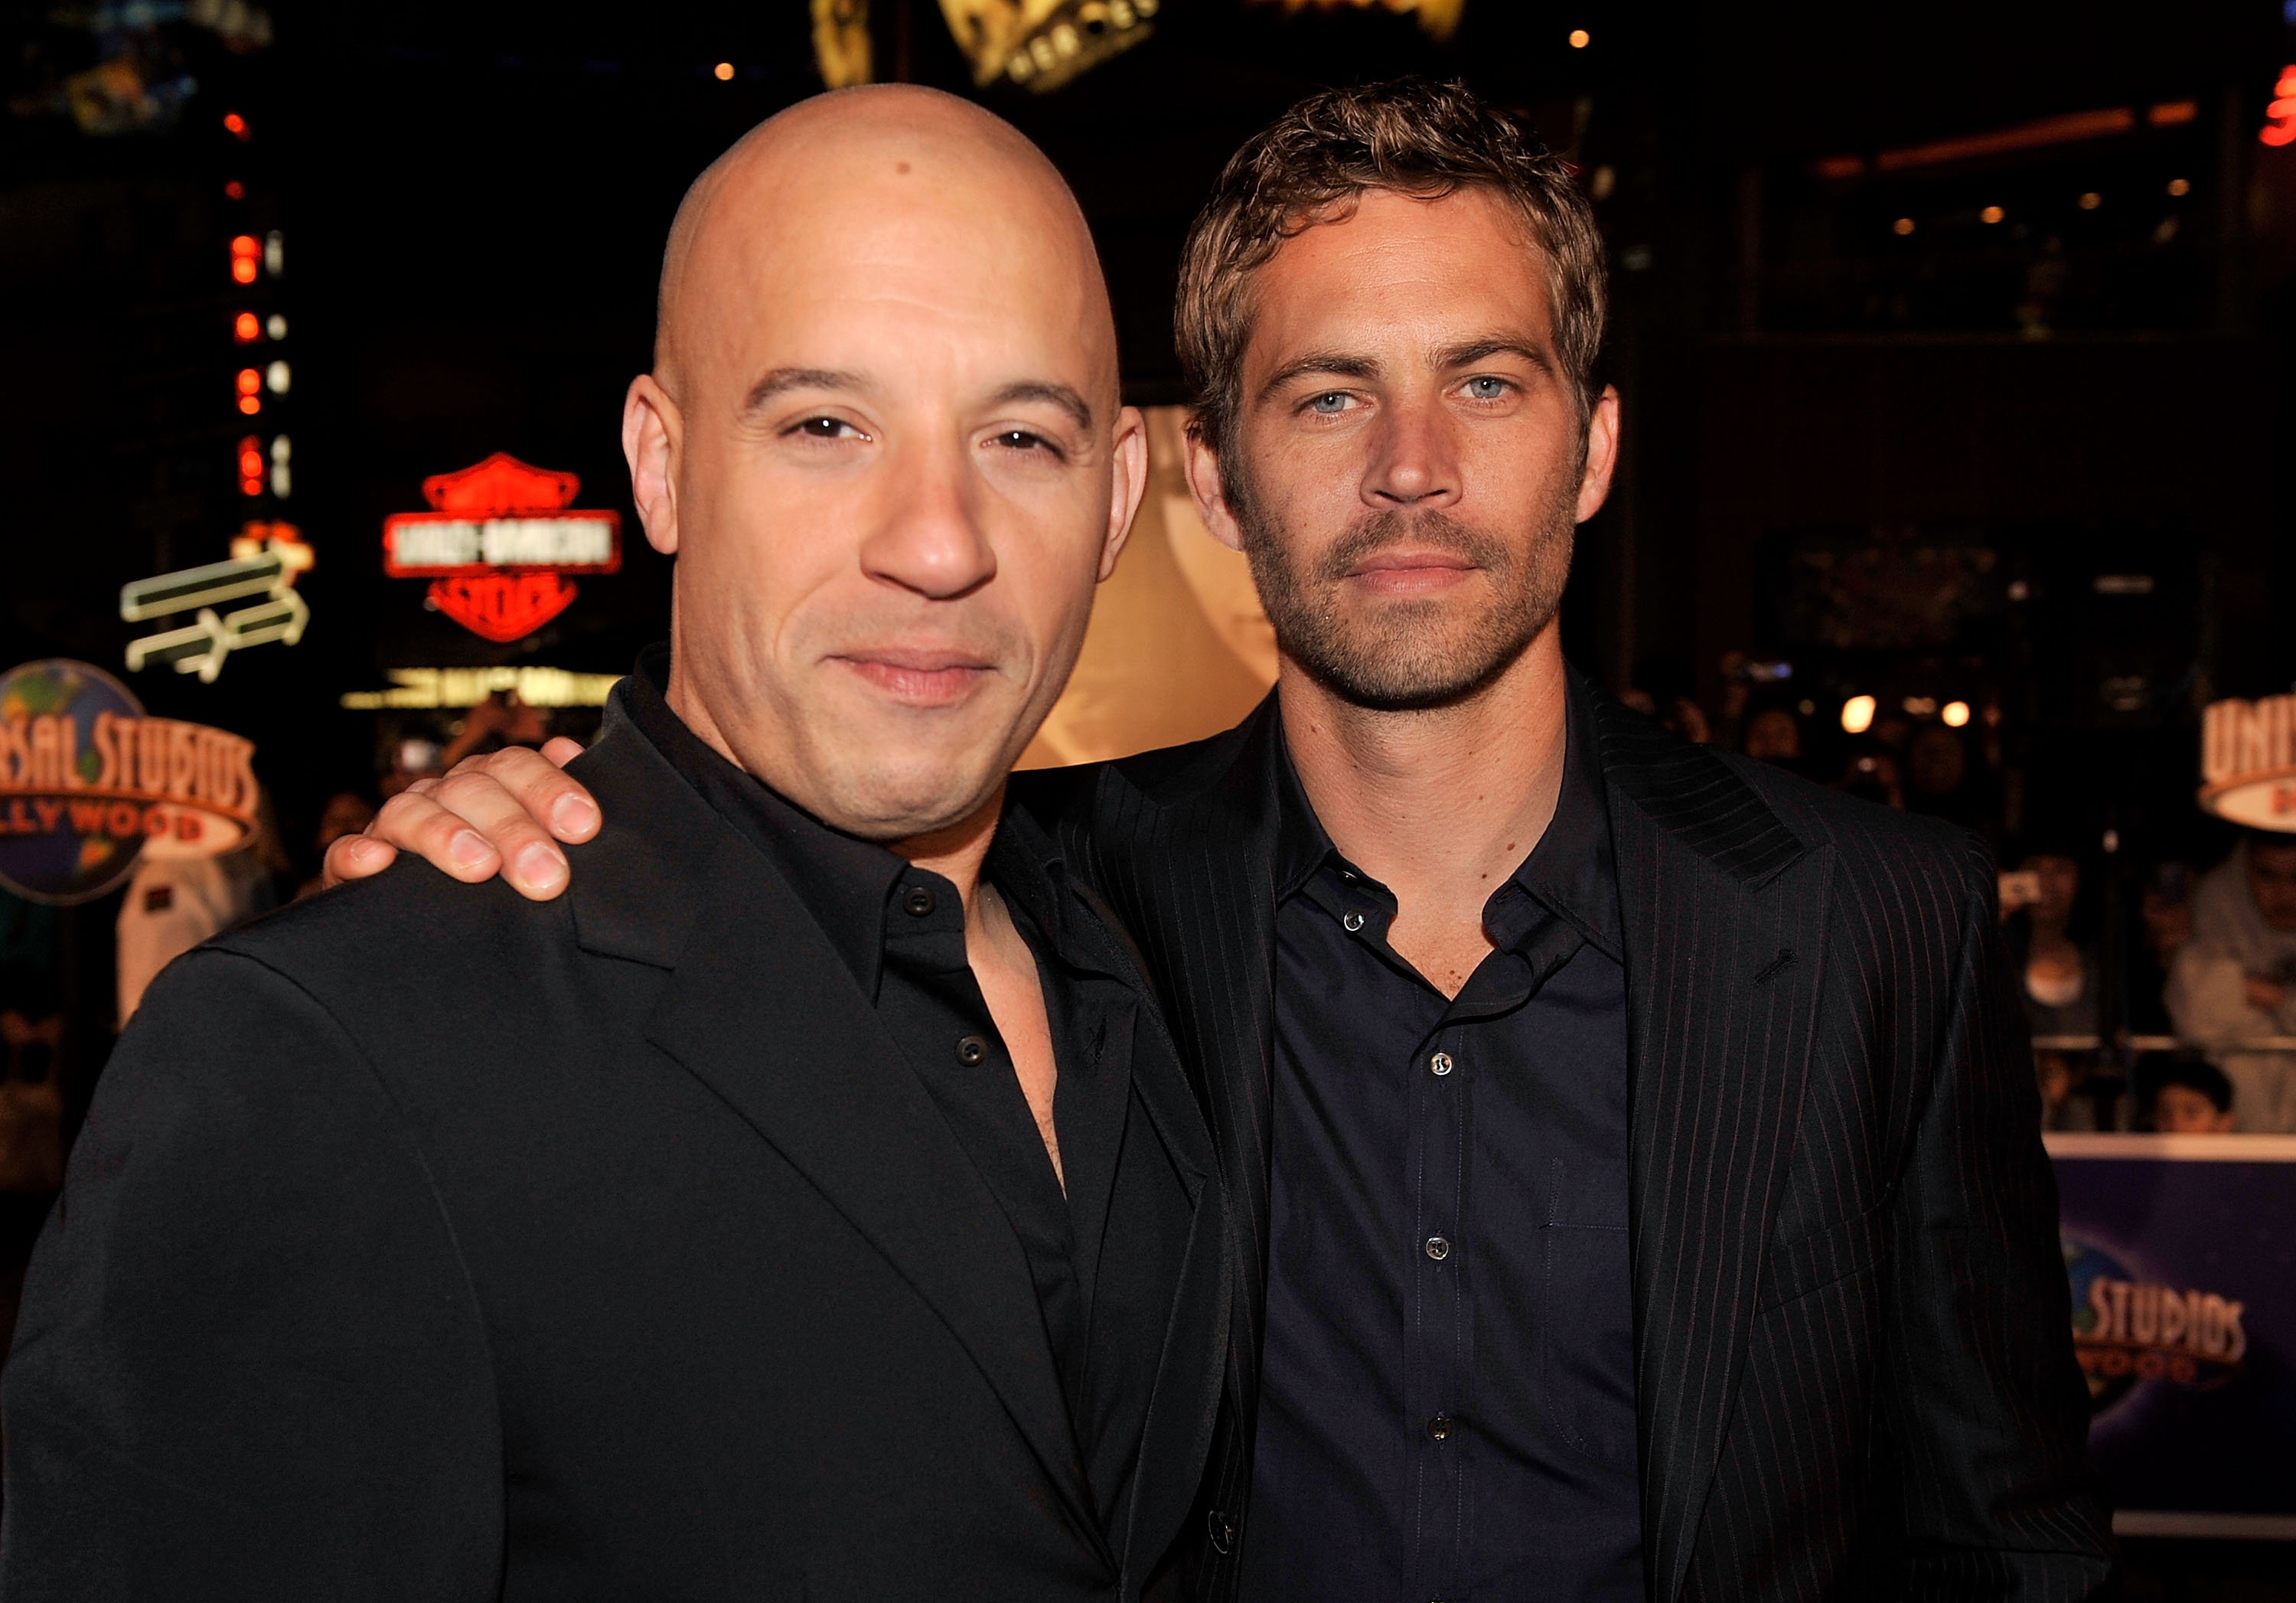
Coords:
781,381
1058,395
1322,363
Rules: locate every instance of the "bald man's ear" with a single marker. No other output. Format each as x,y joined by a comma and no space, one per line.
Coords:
1210,492
1126,485
653,433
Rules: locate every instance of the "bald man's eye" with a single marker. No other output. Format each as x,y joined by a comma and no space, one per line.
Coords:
826,428
1021,439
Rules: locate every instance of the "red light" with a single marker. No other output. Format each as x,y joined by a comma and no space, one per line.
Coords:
235,124
235,191
245,329
250,404
250,458
242,269
246,244
250,486
2280,117
251,382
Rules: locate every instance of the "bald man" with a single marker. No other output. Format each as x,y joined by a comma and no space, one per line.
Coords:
807,1205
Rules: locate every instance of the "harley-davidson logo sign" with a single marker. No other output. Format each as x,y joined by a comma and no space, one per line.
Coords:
498,544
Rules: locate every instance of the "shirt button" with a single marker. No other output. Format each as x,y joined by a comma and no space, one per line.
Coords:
1440,1427
970,1049
1440,1063
1438,1248
1351,923
919,901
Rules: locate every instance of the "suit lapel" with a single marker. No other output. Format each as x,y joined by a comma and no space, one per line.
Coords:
758,1006
1186,859
1724,913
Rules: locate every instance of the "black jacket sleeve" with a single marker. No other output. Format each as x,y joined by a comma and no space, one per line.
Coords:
249,1365
1986,1417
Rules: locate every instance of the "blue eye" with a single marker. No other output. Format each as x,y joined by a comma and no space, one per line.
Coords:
1486,389
1329,404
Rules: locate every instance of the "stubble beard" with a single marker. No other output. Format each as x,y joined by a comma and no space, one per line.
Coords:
1409,654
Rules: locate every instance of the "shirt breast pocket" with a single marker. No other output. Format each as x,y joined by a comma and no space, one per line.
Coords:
1586,1323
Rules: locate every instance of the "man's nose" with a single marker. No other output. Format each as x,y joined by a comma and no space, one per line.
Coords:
1414,457
929,539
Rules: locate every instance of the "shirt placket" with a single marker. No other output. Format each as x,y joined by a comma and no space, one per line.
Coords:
1440,1326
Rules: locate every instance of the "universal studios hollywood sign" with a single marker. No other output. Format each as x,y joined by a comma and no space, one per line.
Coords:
2248,761
88,784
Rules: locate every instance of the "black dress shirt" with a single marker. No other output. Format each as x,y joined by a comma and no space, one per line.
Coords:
1447,1404
900,929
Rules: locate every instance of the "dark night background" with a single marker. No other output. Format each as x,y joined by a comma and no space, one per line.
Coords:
473,198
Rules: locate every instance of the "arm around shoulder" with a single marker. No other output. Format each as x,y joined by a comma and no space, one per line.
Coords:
1986,1410
249,1363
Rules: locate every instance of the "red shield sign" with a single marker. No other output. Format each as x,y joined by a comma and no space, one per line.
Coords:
497,544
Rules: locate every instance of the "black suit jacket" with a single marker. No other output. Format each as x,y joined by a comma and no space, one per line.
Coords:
1852,1332
427,1243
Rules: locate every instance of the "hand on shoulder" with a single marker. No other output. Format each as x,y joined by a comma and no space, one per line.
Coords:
503,813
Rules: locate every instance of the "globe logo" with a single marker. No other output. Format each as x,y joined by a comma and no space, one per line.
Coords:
2128,1330
88,784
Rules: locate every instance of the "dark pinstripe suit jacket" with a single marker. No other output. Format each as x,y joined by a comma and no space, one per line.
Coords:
1853,1351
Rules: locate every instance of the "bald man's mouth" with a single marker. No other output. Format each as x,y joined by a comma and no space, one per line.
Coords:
916,676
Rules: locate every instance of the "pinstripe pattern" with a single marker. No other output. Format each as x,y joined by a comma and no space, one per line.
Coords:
1853,1346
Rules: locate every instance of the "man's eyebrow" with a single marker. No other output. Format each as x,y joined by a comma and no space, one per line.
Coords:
1321,364
1471,351
782,379
1059,395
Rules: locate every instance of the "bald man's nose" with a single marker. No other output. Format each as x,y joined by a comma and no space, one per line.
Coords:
928,539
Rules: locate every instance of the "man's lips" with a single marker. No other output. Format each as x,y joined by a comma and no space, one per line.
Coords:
918,677
1404,572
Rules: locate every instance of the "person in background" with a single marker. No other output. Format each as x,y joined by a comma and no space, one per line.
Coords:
1774,735
2235,982
2193,1098
501,720
2056,975
2056,981
1938,781
347,812
173,903
2165,911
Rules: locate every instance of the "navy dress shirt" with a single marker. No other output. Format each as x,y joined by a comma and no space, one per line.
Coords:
1448,1403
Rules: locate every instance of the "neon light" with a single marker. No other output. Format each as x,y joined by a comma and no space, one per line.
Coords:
2280,117
497,544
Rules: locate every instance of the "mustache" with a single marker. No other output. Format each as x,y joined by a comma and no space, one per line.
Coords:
1424,530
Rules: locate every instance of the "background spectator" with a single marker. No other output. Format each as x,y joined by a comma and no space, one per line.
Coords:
174,903
2234,981
2193,1098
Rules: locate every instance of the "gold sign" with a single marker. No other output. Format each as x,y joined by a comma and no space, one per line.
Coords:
2248,758
841,42
1438,18
1043,44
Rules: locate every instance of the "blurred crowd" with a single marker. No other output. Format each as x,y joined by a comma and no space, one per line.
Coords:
2161,995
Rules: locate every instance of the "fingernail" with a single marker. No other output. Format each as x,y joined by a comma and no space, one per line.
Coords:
541,868
572,814
364,852
470,849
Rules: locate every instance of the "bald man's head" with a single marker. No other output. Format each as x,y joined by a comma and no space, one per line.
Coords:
895,144
885,439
